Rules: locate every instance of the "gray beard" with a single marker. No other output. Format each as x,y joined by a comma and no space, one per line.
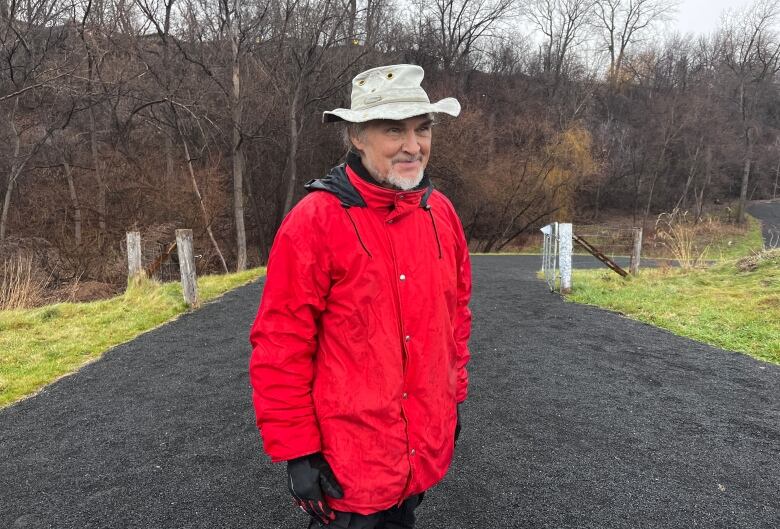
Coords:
393,180
404,184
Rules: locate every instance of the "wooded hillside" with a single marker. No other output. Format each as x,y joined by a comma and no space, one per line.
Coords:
158,114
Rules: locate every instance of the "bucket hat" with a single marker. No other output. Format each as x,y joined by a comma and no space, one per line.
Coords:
390,92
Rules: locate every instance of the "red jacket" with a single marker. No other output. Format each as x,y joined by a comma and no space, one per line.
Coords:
360,341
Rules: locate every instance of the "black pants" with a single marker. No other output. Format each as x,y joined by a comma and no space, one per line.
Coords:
393,518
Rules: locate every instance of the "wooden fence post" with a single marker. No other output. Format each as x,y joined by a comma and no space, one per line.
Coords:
135,267
189,283
636,252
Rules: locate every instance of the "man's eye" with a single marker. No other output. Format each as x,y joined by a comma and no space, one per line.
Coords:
393,130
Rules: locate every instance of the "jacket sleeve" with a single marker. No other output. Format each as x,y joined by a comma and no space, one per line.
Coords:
284,340
462,325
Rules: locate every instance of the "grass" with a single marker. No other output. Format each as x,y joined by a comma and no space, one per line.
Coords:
37,346
710,240
737,242
733,305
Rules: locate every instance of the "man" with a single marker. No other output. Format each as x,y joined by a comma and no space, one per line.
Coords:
360,342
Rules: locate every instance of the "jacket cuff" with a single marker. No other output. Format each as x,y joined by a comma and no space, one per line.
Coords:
291,445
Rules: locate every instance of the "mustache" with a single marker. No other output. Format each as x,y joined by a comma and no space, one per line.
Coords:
402,159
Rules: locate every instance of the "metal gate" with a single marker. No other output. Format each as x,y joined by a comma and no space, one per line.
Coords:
550,267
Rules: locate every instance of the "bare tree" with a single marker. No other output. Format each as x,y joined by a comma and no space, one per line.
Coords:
239,24
561,22
456,27
307,68
750,49
232,19
620,23
30,63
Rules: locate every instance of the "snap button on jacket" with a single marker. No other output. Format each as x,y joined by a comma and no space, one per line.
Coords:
360,341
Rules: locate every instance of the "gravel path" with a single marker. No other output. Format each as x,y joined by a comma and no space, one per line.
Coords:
768,212
577,418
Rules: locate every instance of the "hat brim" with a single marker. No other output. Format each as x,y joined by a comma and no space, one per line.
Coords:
393,110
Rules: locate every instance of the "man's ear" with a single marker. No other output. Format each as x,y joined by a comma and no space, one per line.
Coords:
357,143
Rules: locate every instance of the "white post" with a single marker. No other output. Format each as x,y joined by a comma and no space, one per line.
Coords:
134,261
556,262
564,255
637,251
189,282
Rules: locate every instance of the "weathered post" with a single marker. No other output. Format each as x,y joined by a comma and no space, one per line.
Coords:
189,282
565,246
636,252
135,267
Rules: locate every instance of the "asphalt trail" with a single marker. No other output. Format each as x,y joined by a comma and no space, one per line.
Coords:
768,212
577,418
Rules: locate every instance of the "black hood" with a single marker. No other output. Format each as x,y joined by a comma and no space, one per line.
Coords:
337,182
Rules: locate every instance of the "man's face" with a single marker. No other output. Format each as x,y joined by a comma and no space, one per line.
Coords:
396,152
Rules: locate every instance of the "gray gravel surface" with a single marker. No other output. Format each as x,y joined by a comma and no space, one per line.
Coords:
577,418
768,212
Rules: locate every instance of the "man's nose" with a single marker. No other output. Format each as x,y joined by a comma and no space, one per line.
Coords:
411,144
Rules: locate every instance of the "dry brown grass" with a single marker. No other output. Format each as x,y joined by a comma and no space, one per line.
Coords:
686,240
20,287
752,262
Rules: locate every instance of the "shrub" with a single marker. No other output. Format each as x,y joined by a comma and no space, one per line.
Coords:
678,234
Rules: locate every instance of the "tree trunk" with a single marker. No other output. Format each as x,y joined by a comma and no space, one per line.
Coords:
13,173
293,152
7,203
708,177
598,200
753,193
649,201
638,172
74,200
682,201
488,246
238,153
98,165
169,166
351,18
745,179
256,209
473,225
657,170
369,42
748,156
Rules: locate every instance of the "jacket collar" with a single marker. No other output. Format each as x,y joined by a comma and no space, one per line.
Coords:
354,187
376,196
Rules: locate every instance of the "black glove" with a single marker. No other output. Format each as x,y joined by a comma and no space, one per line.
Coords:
457,425
308,477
